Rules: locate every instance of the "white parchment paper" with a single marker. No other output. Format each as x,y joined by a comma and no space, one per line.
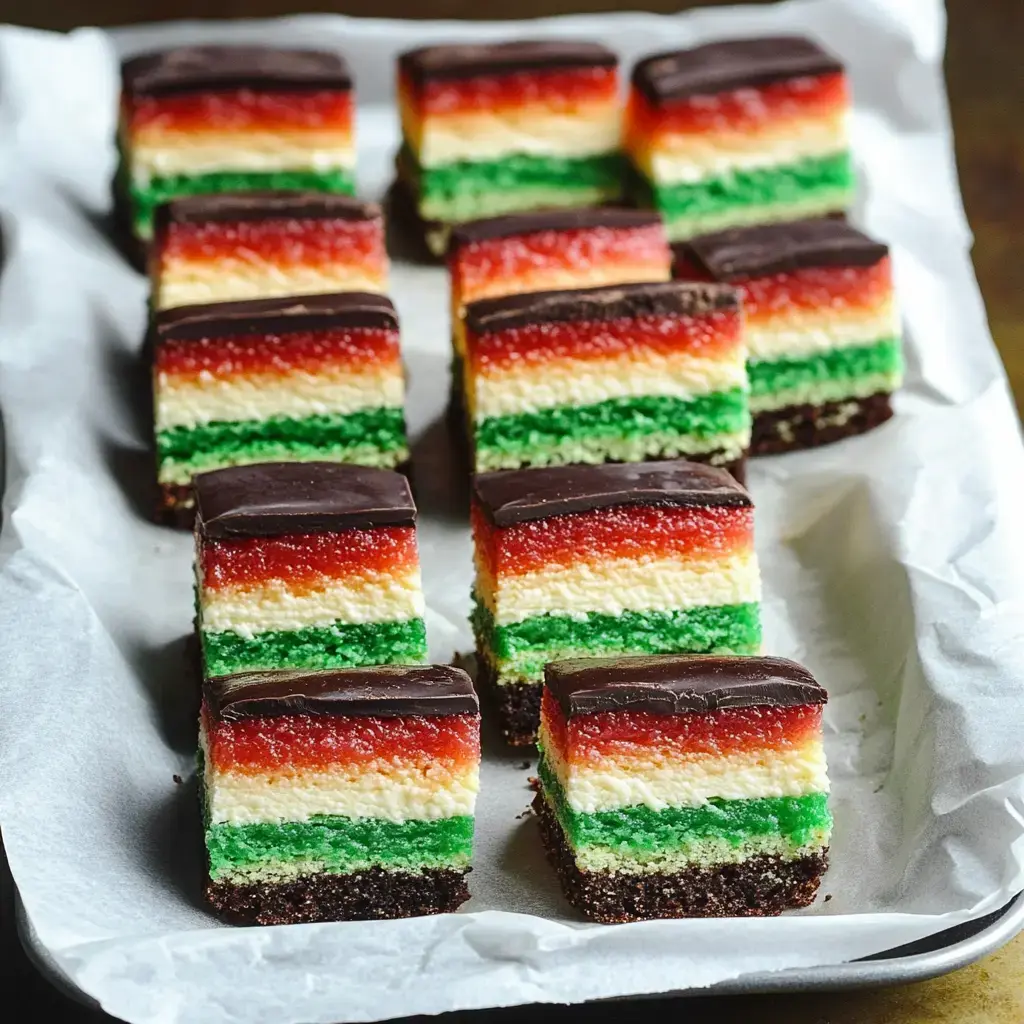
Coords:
893,565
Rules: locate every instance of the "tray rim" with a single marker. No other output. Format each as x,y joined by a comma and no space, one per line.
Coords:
984,935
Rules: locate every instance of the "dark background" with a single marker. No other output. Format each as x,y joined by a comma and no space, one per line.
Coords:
985,74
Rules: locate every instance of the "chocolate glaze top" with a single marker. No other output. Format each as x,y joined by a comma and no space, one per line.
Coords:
433,63
299,497
264,205
612,302
386,691
275,316
719,67
198,68
675,684
780,248
523,495
551,220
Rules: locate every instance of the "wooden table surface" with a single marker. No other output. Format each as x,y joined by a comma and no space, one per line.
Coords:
987,97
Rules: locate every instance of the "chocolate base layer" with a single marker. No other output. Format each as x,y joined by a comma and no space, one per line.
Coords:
516,706
412,237
175,507
371,895
757,887
807,426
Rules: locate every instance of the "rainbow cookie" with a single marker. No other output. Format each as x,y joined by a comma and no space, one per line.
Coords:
204,119
306,565
310,378
742,132
599,560
617,374
339,796
262,245
822,328
501,128
683,786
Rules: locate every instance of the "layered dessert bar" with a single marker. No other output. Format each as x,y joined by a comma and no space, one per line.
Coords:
742,132
574,561
822,327
201,119
306,565
339,796
310,378
500,128
683,787
617,374
262,245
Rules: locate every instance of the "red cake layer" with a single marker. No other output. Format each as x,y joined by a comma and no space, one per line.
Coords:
638,532
741,110
308,742
558,90
475,267
708,337
318,241
350,349
240,109
300,558
588,738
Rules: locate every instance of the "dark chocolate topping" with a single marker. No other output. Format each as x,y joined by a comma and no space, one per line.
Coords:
299,497
430,63
275,316
268,205
521,495
718,67
671,684
778,248
197,68
386,691
613,302
551,220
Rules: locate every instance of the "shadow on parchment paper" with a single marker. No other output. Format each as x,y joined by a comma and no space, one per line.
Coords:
172,844
133,469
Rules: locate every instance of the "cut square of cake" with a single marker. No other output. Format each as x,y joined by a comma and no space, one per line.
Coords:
306,565
616,374
822,326
649,558
309,378
499,128
683,786
741,132
202,119
262,245
339,796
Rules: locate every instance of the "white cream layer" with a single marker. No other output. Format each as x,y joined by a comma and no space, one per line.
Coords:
209,399
258,152
183,282
273,606
619,585
799,335
590,381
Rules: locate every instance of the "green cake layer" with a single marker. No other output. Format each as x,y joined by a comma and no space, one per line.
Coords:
468,190
338,845
801,820
370,437
619,425
810,187
159,189
520,650
343,645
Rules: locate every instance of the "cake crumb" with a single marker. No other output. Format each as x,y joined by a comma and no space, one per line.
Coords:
534,783
524,766
828,896
178,780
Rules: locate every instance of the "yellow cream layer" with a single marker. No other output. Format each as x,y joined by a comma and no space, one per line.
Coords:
676,158
400,794
181,282
274,606
619,585
187,403
794,333
589,381
169,153
749,775
533,130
